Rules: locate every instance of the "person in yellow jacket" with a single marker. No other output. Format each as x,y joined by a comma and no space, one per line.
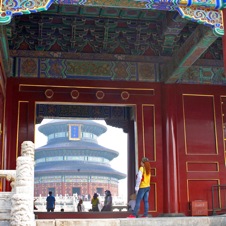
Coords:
95,202
142,187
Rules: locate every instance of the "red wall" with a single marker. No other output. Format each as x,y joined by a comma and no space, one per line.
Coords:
179,127
199,142
66,188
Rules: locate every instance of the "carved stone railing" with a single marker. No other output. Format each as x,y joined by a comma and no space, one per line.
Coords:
10,175
120,208
17,206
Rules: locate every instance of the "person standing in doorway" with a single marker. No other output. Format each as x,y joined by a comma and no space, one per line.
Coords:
107,201
50,202
142,187
132,202
95,202
80,206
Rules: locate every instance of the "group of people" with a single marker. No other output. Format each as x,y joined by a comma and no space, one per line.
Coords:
50,203
95,203
142,189
107,202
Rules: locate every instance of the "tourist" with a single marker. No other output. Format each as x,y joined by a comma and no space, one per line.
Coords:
142,187
107,201
50,202
95,202
132,202
80,206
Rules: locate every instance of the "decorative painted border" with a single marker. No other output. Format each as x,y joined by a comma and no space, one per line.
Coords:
206,12
206,16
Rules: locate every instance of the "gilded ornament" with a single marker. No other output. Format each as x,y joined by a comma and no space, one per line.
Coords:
49,93
100,95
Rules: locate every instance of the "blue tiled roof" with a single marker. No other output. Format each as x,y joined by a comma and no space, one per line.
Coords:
81,167
75,148
74,144
57,125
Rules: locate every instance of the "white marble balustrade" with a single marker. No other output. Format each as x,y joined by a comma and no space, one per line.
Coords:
16,207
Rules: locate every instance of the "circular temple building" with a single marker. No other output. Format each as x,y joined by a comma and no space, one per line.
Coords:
73,162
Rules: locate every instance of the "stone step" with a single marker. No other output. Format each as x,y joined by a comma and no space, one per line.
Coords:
4,223
154,221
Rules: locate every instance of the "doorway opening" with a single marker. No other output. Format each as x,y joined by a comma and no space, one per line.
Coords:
52,190
95,157
76,190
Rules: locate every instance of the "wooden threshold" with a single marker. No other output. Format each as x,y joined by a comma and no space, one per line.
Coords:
76,215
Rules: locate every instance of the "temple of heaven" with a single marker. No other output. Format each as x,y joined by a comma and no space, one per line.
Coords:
73,162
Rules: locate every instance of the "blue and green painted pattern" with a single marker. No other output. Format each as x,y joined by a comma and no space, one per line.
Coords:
10,8
203,11
203,75
75,69
112,71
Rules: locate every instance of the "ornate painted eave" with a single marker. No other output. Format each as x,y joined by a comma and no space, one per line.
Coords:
204,12
20,7
120,34
207,16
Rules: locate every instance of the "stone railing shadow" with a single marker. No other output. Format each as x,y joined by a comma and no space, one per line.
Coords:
16,206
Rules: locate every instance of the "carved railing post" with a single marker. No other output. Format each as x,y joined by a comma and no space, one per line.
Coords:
23,199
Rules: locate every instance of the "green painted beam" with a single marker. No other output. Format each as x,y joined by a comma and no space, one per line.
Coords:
116,3
191,50
4,49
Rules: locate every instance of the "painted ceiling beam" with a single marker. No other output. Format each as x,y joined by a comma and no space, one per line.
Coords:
199,41
4,55
172,24
146,4
202,12
210,15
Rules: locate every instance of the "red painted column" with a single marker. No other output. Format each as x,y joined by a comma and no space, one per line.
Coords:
170,147
10,136
1,129
1,136
11,124
224,41
131,169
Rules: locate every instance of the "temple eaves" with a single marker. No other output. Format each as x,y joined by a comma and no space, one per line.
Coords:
208,13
